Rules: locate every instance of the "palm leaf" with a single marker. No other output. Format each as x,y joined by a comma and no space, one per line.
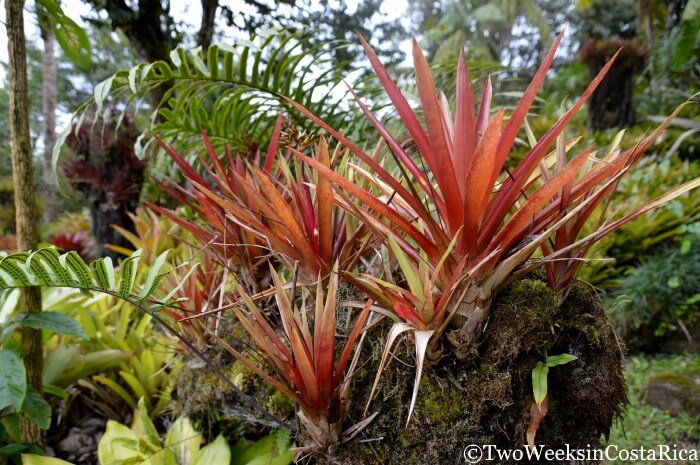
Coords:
46,268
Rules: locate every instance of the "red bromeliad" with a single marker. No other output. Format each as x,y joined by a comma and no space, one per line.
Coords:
302,358
255,213
475,223
232,243
202,290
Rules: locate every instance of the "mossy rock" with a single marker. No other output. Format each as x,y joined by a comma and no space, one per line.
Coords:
206,399
675,392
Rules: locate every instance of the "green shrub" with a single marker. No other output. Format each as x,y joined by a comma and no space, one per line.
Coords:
662,294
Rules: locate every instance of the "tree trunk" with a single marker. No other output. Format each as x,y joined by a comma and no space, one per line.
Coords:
612,104
48,110
206,29
24,198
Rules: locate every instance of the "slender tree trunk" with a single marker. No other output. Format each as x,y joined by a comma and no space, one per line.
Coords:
48,109
24,198
648,15
206,29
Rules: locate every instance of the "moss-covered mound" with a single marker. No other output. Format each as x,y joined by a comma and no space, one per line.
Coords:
488,400
485,401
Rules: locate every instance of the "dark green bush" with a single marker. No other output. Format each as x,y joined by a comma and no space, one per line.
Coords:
661,295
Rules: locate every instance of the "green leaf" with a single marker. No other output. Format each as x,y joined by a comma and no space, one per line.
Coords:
216,452
49,257
13,448
51,6
37,409
56,391
148,427
274,449
104,273
9,299
673,282
31,459
15,271
489,13
51,321
182,442
11,425
56,154
561,359
101,93
692,300
153,276
182,282
76,264
685,246
13,380
539,382
127,273
118,444
411,276
61,365
73,40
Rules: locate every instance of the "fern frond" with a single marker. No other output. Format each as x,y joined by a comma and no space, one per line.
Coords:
46,268
233,93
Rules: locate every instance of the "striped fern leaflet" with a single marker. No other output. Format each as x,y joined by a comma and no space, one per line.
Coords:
45,267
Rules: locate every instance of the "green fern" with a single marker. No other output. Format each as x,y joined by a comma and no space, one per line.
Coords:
233,93
46,268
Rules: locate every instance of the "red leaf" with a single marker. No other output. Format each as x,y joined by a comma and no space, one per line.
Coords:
438,158
479,182
508,193
324,202
382,209
537,200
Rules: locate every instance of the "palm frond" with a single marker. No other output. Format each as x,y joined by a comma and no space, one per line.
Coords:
46,268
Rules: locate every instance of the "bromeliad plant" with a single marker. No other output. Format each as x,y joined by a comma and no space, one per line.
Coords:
202,291
457,207
254,213
302,358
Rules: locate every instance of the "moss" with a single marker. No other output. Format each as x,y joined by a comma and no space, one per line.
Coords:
487,400
212,404
685,381
279,405
441,405
523,312
242,377
686,387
